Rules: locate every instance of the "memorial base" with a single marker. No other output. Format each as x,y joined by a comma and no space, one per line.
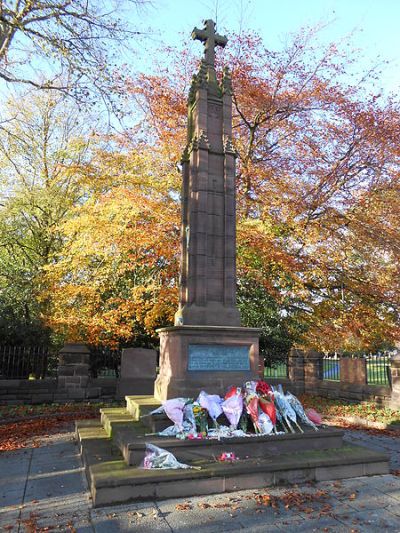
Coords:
213,358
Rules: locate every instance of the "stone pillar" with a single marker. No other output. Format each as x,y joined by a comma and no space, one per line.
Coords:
312,370
208,243
296,369
138,372
73,370
395,371
353,371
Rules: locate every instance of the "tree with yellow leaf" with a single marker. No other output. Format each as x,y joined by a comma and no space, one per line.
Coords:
317,181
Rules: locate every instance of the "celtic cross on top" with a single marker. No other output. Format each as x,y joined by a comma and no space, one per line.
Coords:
210,39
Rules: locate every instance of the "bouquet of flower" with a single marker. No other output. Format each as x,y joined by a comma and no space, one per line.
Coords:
286,410
298,408
314,416
156,457
211,402
251,401
231,392
174,411
250,387
233,407
265,424
267,406
189,422
263,389
200,416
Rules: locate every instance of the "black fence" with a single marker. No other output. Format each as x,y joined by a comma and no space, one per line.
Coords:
104,362
28,362
377,367
276,369
330,368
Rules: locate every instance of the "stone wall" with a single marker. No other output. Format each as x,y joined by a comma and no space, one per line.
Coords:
305,376
18,391
25,391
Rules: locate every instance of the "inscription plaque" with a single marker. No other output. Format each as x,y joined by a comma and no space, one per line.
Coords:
218,357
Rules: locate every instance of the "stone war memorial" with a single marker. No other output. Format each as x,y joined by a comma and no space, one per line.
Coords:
207,346
207,349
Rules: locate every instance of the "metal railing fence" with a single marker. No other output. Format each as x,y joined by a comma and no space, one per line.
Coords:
27,362
104,362
276,369
377,367
331,368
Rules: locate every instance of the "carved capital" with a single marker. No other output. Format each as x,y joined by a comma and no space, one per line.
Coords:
203,140
186,154
193,88
194,144
228,146
227,81
202,77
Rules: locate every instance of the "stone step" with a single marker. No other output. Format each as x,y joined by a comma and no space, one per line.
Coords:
111,481
110,418
132,444
140,405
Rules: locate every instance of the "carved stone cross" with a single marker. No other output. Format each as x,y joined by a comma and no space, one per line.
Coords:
210,40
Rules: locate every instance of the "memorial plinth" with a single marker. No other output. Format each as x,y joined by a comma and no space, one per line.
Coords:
207,348
212,357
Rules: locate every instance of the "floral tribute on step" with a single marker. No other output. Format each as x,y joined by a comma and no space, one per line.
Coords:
257,408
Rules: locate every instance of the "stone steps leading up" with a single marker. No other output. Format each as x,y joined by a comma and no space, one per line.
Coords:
140,405
111,480
110,418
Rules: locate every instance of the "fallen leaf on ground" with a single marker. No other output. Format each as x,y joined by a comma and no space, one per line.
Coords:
203,505
183,507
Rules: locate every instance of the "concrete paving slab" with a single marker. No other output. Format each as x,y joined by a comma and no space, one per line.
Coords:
9,519
9,498
327,524
370,521
367,498
144,517
201,514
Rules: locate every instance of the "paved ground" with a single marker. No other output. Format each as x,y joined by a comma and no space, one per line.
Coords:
44,489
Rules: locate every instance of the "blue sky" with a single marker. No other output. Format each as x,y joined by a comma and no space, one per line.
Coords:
374,23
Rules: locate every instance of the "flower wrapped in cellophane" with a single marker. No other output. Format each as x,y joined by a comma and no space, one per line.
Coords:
264,423
158,458
211,402
263,389
251,401
174,410
232,406
298,408
266,401
268,407
285,409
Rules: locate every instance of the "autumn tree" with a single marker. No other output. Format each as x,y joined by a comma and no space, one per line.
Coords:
116,279
317,179
41,148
